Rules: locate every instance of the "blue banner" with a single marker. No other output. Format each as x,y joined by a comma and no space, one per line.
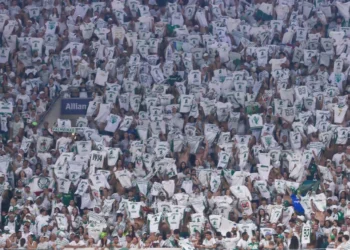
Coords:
74,106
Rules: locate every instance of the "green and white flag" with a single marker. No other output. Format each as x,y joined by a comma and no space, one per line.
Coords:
97,158
215,221
255,121
264,171
305,234
320,202
75,169
62,222
341,135
193,142
280,186
26,144
38,184
268,141
174,220
83,147
63,185
215,181
169,187
126,123
4,55
107,206
276,213
226,226
261,186
224,158
82,187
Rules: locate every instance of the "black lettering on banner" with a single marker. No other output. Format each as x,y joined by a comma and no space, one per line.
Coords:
97,157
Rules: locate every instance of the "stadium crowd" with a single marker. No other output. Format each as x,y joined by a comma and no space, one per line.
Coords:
213,124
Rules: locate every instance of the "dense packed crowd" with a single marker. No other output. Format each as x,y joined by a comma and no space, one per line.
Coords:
214,124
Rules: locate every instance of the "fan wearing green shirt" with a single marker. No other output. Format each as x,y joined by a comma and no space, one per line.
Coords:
254,244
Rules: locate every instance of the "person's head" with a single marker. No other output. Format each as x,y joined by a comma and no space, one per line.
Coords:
208,235
43,212
261,212
30,200
128,238
245,236
26,228
2,177
22,242
115,240
76,238
162,196
339,20
135,240
17,118
11,217
120,233
314,59
176,233
244,216
268,236
30,238
25,163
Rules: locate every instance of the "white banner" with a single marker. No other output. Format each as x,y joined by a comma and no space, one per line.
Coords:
305,236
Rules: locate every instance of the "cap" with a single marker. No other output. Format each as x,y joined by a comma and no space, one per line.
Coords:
2,174
268,234
287,231
30,199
